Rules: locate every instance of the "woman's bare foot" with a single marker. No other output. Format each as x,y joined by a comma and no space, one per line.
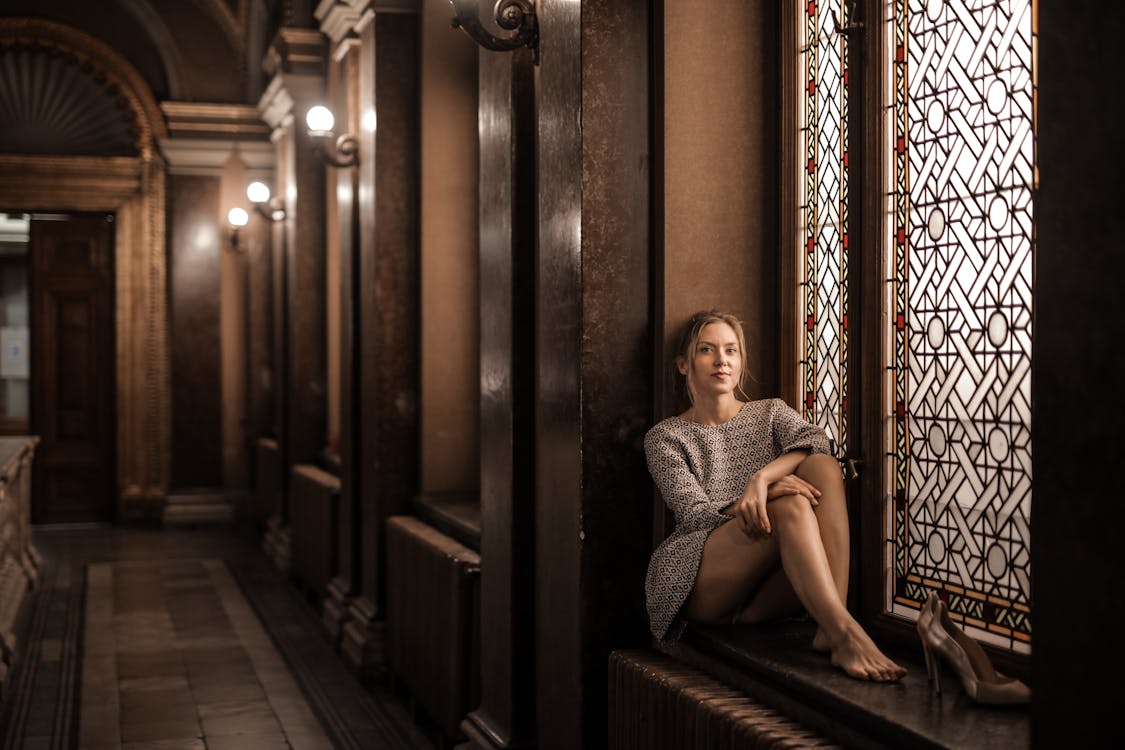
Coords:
820,642
856,654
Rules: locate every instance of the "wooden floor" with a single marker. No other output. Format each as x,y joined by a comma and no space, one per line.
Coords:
181,639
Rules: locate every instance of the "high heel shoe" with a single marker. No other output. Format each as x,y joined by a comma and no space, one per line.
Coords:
943,640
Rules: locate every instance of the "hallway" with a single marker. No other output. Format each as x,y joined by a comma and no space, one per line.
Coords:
400,294
182,639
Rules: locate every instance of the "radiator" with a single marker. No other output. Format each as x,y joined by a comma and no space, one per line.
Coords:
433,600
315,501
267,480
658,703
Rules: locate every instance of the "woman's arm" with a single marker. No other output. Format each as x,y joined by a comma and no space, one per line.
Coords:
678,486
771,481
793,439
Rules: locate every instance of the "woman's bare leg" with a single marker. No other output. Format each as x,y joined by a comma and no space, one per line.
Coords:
823,472
734,565
775,597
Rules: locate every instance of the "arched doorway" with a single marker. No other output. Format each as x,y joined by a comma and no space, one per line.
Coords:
119,172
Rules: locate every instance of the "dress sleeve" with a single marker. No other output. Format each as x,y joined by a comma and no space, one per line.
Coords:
679,487
792,433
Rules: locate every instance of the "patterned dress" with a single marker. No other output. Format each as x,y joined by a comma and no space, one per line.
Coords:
701,469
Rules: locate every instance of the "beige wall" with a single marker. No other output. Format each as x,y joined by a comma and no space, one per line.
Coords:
720,176
450,327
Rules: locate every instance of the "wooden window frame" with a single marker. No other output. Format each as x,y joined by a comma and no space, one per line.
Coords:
868,244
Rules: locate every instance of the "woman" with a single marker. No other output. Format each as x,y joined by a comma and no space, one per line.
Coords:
761,522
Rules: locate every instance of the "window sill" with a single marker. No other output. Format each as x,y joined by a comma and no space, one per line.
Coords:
455,514
774,664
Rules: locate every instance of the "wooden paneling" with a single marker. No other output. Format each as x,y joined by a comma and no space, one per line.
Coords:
592,353
72,344
506,716
1077,379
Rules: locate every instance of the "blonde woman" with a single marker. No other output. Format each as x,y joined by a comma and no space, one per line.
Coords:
761,522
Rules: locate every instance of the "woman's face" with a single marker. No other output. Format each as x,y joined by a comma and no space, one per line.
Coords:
716,363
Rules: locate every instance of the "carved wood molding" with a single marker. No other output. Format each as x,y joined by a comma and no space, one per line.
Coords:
122,81
134,189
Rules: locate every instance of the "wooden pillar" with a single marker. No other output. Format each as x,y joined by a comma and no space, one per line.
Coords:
338,23
387,288
593,356
1077,378
506,716
296,62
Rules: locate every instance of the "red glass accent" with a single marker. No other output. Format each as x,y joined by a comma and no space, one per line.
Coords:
811,246
810,323
812,165
901,236
812,8
900,321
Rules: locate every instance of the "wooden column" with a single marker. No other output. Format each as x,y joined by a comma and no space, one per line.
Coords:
593,356
1077,374
387,288
506,716
296,61
337,22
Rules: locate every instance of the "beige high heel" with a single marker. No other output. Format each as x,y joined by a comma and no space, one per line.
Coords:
943,640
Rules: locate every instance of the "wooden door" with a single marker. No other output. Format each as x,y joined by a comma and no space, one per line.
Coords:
72,384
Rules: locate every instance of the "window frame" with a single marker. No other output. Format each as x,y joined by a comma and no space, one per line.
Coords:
868,243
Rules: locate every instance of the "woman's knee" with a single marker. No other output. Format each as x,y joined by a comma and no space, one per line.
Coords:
789,509
820,469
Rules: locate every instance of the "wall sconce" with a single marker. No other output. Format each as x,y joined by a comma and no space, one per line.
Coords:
259,195
320,122
511,15
237,218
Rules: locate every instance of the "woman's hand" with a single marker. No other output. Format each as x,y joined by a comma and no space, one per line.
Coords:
750,508
793,485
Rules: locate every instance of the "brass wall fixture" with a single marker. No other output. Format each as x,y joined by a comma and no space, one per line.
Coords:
258,193
237,218
320,122
510,15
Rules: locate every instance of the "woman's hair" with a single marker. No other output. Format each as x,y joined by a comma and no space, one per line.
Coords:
689,341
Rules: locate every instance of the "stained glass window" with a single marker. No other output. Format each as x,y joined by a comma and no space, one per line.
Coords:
823,232
961,129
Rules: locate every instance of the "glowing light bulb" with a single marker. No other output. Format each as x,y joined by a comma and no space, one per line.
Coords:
238,217
258,192
320,119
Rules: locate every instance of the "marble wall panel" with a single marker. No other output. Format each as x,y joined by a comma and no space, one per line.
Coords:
197,241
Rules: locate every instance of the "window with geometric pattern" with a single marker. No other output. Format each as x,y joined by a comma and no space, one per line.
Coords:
822,268
960,125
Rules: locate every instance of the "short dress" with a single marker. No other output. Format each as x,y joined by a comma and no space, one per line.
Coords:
701,469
